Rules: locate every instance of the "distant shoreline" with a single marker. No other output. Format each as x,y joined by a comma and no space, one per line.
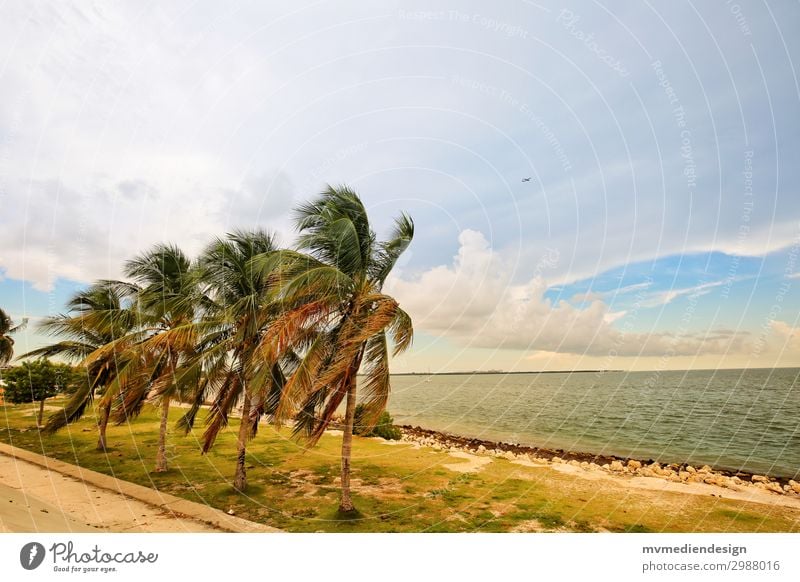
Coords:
503,373
515,373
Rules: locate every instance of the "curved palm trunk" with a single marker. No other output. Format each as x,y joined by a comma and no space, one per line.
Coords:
346,504
161,456
240,477
105,411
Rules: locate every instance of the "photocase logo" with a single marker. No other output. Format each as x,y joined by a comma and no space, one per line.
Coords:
31,555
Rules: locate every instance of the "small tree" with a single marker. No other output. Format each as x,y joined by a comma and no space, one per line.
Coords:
383,428
39,380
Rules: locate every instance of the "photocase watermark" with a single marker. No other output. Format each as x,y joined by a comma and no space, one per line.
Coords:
741,21
487,22
7,140
679,115
512,101
627,327
548,261
65,557
744,222
569,20
319,172
777,305
31,555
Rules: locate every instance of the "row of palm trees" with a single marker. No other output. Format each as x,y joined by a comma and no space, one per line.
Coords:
280,333
7,328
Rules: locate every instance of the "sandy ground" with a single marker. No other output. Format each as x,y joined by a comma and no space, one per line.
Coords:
36,499
473,465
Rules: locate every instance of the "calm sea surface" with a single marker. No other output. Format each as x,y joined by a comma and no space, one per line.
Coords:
736,419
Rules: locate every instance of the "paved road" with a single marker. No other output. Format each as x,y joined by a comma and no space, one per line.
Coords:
39,494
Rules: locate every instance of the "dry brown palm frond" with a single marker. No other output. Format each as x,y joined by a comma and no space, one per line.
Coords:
335,398
228,394
375,387
401,331
300,385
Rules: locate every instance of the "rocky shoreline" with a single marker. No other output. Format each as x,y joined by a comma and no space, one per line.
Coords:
678,473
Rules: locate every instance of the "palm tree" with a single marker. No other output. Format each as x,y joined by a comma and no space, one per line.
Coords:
7,327
97,326
237,316
168,298
338,294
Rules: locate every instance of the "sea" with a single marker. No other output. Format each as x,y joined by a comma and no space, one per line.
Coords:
738,420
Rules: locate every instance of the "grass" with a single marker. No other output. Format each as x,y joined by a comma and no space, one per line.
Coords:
396,488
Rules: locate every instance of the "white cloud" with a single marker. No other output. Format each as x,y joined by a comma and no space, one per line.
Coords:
474,303
670,295
120,127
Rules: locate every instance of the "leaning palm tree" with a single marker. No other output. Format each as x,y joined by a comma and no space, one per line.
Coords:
98,325
237,315
338,294
168,298
7,327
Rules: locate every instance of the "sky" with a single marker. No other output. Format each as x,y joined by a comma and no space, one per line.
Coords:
660,227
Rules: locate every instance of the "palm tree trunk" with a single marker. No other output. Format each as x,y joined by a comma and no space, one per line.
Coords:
105,412
161,456
41,412
240,477
346,505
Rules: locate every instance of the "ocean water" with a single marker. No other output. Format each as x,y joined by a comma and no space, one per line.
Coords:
742,420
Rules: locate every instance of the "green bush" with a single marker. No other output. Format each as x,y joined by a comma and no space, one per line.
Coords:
383,428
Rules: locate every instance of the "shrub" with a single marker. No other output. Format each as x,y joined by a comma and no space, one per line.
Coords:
383,428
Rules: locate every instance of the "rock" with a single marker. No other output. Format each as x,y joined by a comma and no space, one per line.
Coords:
684,475
711,480
574,463
795,486
633,465
594,466
690,469
616,466
674,477
481,449
606,466
704,469
584,465
231,512
774,487
646,472
510,456
759,479
696,478
557,460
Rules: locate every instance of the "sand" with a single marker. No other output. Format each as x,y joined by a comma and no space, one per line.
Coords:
473,465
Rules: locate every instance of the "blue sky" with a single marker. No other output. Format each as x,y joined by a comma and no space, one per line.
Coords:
660,227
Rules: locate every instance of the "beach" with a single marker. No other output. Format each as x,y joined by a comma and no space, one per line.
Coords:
636,473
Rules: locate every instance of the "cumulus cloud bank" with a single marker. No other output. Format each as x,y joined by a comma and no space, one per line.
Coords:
475,303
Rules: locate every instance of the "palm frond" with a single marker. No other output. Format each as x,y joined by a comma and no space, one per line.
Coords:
376,385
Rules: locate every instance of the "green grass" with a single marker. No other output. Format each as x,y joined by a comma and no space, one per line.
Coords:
395,488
